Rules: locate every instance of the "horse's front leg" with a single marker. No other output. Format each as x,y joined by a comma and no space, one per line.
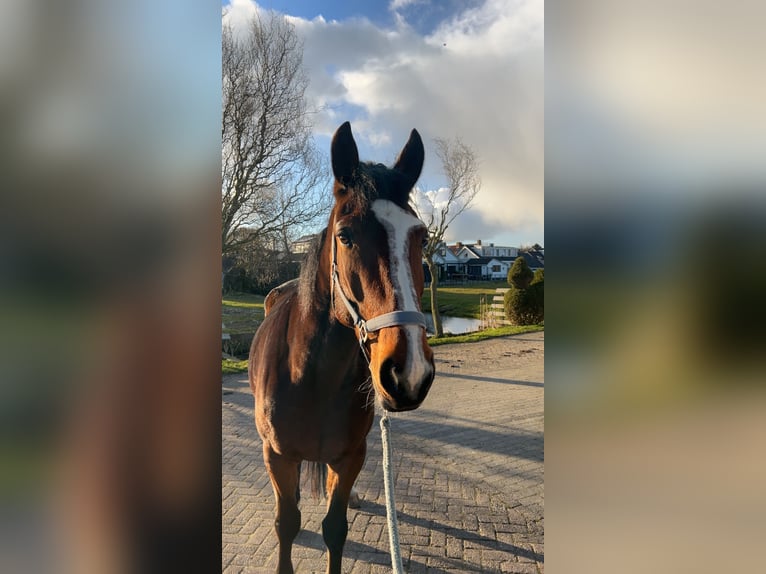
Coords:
284,476
340,480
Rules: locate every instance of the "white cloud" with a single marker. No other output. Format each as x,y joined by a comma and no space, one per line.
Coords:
485,85
239,11
399,4
497,27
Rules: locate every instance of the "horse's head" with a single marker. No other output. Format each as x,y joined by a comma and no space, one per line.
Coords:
377,246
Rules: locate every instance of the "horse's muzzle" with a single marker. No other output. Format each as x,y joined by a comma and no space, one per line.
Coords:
401,394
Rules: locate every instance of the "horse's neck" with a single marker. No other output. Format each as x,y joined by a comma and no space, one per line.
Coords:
337,343
325,351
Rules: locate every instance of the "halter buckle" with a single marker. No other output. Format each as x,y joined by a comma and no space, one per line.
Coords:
362,325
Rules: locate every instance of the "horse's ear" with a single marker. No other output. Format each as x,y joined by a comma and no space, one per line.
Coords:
410,160
345,156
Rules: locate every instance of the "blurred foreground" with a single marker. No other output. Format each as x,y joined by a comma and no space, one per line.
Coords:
656,252
110,287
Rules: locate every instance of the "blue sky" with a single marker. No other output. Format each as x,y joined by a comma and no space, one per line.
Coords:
421,15
470,69
332,10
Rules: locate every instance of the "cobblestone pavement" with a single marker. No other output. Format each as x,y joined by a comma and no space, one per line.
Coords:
468,469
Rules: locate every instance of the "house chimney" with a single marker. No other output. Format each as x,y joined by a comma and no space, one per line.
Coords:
478,242
458,244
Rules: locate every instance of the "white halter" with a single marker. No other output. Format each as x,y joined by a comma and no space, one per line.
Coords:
391,319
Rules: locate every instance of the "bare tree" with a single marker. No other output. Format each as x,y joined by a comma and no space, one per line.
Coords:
439,209
272,174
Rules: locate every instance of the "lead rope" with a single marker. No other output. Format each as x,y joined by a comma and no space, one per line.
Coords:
388,483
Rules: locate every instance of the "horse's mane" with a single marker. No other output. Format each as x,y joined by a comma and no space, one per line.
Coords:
309,270
370,181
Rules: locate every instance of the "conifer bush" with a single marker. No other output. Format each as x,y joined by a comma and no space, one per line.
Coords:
524,300
520,275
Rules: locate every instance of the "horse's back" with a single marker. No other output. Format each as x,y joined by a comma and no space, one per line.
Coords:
265,353
278,293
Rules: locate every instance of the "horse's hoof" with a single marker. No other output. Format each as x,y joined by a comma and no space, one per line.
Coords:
353,500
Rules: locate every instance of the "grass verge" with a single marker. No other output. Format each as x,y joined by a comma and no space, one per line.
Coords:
232,366
241,312
486,334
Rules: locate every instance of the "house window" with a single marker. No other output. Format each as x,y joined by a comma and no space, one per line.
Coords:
495,269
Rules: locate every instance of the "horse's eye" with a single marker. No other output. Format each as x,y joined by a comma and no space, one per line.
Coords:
345,237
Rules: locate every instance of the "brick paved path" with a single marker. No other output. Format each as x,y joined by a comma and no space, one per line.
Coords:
468,470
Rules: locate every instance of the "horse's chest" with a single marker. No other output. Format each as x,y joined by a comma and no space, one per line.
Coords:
312,427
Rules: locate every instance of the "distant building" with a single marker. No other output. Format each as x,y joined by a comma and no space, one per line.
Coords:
302,244
450,266
489,267
480,260
489,249
535,257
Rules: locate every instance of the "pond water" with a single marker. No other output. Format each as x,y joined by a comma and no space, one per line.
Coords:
454,325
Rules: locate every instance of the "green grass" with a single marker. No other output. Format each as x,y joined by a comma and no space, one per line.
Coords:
249,300
242,312
486,334
462,300
231,366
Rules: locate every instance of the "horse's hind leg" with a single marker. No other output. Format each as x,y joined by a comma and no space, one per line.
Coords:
284,480
340,480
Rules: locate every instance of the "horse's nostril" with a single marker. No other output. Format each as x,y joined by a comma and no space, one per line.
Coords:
395,374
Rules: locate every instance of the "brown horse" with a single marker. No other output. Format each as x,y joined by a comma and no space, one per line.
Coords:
358,299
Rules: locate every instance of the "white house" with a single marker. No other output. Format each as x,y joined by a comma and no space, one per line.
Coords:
485,260
482,260
464,252
302,244
448,262
489,267
467,251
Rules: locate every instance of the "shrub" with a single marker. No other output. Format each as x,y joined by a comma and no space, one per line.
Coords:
525,306
537,298
520,275
539,276
238,345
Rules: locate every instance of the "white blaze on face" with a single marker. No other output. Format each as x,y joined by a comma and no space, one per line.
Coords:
398,223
